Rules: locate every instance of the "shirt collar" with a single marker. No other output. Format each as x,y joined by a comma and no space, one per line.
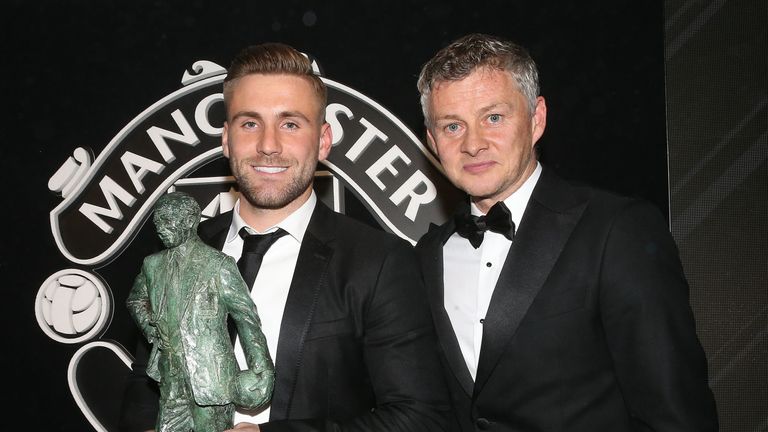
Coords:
518,201
295,224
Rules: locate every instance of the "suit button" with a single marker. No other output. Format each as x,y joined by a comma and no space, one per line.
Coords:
482,423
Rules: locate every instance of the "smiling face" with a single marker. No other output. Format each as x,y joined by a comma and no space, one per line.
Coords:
274,136
483,132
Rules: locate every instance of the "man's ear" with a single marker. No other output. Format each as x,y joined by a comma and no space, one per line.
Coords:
539,120
190,221
225,140
431,142
326,140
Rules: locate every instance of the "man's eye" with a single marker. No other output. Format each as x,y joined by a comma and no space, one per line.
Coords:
453,127
290,125
249,124
494,118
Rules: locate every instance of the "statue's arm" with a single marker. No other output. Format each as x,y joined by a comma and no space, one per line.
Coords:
139,307
243,312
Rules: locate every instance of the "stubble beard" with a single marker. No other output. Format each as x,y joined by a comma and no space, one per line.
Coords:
270,197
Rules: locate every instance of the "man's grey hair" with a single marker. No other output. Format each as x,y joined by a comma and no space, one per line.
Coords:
465,55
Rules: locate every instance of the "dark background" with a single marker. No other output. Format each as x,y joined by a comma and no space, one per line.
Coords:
75,73
716,57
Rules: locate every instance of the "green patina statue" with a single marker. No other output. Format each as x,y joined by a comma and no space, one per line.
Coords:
181,300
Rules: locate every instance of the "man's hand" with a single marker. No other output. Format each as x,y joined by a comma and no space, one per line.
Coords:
160,337
244,427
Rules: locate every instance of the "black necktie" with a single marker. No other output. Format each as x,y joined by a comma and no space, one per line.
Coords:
498,219
254,248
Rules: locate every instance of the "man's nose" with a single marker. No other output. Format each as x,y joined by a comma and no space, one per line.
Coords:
474,142
270,142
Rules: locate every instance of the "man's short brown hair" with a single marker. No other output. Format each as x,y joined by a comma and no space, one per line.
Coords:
274,59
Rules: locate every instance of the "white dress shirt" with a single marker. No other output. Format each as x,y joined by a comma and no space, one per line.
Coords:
471,274
270,289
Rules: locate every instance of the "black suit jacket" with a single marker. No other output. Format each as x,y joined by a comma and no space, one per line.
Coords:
357,349
589,327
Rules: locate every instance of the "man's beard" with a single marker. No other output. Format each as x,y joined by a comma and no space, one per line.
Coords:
271,197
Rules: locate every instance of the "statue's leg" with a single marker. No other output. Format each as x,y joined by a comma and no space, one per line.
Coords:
176,403
213,417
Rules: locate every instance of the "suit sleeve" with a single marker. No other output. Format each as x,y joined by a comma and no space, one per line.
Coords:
243,312
650,327
138,305
140,398
399,350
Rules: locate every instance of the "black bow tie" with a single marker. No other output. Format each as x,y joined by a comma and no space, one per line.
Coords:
498,220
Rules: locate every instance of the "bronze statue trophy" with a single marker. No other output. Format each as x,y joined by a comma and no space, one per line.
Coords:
180,301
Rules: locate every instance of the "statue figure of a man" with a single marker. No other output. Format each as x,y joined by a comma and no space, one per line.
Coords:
181,300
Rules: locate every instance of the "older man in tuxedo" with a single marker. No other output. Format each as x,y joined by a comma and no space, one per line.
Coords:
558,307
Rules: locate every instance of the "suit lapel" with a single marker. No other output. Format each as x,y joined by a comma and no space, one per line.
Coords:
309,278
549,219
432,269
214,231
198,269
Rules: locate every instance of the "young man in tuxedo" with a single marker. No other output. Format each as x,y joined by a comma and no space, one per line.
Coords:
342,305
558,307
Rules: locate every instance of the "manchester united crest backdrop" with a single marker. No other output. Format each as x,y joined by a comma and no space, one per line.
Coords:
109,104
